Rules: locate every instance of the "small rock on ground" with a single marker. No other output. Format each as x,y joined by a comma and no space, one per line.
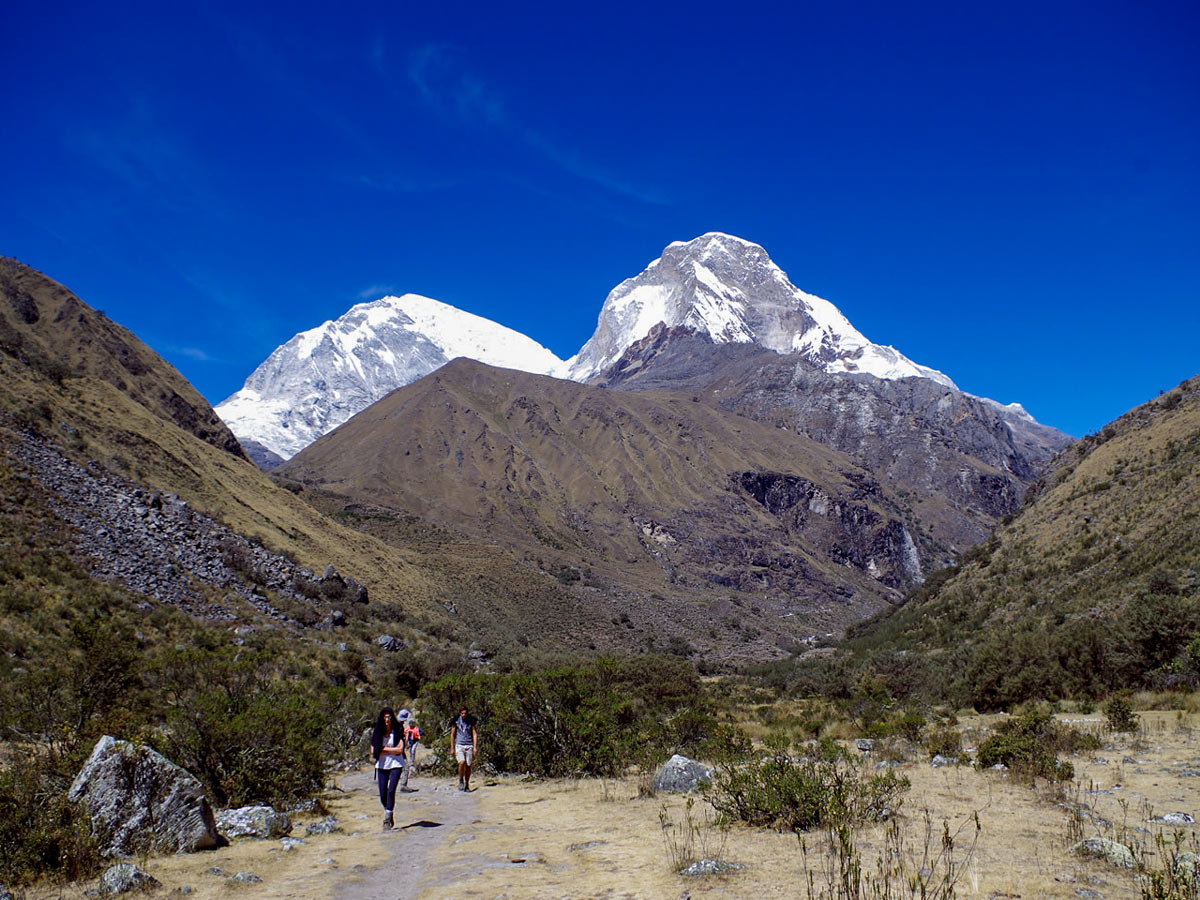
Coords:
125,877
709,867
1113,853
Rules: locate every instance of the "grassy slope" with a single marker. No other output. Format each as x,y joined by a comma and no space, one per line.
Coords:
102,395
56,334
1075,590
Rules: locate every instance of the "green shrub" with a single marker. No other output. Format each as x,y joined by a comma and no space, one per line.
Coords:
1029,745
797,794
592,718
249,738
943,742
40,834
1119,715
407,671
910,726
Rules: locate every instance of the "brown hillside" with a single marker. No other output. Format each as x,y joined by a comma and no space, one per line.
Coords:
49,328
653,493
93,391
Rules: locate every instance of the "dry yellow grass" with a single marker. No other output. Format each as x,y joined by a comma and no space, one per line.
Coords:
597,839
1023,848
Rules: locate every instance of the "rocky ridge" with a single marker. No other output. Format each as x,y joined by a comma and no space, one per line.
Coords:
157,545
967,462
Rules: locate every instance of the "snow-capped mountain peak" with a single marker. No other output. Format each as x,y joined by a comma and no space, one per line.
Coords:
729,289
323,376
717,284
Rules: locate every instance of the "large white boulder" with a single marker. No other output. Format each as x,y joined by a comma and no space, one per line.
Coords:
139,800
254,822
682,774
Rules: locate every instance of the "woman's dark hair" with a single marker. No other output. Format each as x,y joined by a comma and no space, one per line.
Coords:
380,730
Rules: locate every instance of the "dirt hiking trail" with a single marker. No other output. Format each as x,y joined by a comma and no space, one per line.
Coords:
436,814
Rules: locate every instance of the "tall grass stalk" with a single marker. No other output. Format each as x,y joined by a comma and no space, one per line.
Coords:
689,839
900,873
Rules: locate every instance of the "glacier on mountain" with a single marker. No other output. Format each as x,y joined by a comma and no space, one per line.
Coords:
323,376
729,289
717,284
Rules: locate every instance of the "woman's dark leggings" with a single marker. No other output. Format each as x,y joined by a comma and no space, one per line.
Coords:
388,780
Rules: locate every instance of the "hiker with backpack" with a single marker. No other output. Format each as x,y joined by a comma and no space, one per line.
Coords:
464,744
412,735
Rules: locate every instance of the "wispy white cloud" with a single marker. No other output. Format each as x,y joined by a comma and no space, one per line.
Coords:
445,85
375,291
191,353
260,55
451,91
140,152
252,320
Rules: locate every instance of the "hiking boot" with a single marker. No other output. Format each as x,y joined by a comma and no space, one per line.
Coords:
387,821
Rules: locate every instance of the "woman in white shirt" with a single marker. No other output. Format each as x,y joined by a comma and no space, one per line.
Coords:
387,749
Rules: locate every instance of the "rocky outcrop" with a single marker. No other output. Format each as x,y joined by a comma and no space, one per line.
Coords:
139,800
1113,853
389,644
158,545
854,533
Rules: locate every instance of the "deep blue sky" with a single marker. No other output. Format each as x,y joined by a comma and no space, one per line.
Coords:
1008,193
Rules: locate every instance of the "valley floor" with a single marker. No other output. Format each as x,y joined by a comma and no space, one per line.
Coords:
597,839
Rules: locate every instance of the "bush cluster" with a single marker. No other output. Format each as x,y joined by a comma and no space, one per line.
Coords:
1119,715
1154,644
248,737
1029,744
824,788
40,834
588,718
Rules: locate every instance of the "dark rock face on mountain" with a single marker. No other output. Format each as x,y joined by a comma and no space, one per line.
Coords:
51,330
963,462
856,534
261,455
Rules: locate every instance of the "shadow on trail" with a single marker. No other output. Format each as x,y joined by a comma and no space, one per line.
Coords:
423,823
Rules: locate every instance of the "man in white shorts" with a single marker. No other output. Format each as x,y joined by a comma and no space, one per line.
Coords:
464,744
